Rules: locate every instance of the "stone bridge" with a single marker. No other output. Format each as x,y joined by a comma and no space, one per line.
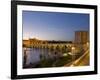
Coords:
52,45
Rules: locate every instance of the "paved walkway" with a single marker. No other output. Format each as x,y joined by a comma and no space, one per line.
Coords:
82,61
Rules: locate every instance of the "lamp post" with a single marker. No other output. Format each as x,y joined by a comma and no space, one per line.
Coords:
87,44
73,53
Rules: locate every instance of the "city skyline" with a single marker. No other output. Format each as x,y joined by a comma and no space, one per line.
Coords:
53,25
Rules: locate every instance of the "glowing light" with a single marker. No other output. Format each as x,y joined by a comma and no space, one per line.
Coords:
73,48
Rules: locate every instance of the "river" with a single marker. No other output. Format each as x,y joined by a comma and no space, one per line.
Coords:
33,54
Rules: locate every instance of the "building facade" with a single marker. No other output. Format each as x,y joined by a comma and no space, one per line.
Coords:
81,37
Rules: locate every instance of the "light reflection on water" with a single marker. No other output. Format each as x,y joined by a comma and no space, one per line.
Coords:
33,54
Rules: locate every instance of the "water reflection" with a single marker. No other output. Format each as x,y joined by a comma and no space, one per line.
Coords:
34,55
48,57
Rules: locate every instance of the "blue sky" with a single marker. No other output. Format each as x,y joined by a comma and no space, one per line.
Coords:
53,25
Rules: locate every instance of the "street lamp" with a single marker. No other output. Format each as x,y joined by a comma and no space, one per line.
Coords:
73,48
87,44
73,53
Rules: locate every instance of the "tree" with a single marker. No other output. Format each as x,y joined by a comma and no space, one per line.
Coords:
64,49
58,48
52,48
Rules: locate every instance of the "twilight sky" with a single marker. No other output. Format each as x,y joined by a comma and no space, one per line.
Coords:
53,25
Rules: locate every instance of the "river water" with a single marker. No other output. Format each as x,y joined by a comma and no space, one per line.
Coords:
33,54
